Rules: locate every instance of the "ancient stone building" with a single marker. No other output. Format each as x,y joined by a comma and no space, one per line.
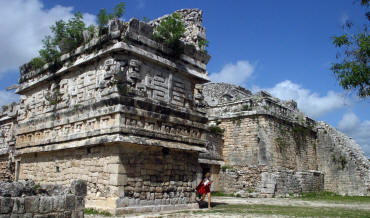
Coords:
131,118
270,148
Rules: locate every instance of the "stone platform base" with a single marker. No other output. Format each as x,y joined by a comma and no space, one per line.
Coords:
154,208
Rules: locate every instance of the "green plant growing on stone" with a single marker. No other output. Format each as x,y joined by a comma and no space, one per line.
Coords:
226,167
169,31
145,19
91,211
37,63
246,108
54,97
333,158
69,35
236,120
281,143
36,186
104,16
342,161
4,107
203,45
300,135
216,130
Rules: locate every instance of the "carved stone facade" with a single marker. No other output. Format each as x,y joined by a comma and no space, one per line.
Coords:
119,112
124,114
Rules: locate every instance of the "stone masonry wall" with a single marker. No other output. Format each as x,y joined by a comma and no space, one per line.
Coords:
346,169
129,177
6,170
22,201
264,140
264,182
267,156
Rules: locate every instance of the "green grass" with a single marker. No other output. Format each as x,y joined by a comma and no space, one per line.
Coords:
222,194
283,210
91,211
333,197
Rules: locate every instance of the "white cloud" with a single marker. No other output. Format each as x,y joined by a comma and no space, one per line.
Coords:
24,25
351,125
234,73
309,102
7,97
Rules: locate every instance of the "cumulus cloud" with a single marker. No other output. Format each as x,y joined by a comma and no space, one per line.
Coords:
24,25
236,73
311,103
359,130
7,97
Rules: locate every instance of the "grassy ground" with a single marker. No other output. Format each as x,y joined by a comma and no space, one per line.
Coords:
229,210
333,197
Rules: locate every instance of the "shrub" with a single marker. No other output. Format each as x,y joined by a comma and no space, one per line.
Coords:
104,17
246,108
216,130
203,44
67,36
226,167
91,211
170,30
37,63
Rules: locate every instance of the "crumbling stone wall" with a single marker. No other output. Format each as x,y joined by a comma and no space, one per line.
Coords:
125,177
26,199
6,168
346,169
7,140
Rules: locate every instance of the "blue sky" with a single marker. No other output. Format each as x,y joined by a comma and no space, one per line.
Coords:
282,46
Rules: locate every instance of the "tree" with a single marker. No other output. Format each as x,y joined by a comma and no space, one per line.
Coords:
352,70
170,30
104,17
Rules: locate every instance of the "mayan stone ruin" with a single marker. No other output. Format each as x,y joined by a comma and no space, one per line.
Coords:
141,126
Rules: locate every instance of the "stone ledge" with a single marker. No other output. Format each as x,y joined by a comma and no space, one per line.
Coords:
114,138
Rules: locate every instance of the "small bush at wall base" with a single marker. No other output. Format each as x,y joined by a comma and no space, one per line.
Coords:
91,211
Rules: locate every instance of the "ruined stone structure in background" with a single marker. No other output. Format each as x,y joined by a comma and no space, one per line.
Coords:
141,126
272,149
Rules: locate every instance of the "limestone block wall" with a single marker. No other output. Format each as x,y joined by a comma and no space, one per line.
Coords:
23,202
265,140
6,168
7,140
122,177
264,182
346,169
